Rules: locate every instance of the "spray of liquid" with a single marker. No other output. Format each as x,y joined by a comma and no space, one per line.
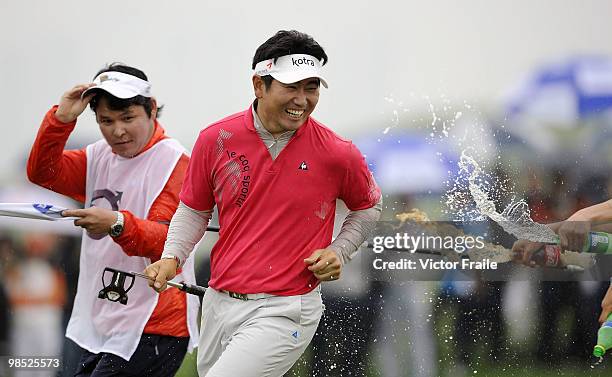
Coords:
474,193
515,218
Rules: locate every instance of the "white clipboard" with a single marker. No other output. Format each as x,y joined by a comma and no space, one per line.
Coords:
38,211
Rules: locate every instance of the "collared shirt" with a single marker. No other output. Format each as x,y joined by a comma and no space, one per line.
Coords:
274,212
274,145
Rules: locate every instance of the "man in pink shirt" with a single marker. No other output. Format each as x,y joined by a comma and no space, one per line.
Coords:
274,174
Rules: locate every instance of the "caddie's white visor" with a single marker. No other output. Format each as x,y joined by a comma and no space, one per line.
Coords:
289,69
120,85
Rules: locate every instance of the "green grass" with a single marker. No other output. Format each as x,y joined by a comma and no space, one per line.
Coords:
514,368
188,368
518,361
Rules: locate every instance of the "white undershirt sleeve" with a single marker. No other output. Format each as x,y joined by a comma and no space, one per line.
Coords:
357,227
186,229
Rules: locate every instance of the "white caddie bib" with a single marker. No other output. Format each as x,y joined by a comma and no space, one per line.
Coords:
132,184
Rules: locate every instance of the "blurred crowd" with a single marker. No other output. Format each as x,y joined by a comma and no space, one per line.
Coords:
418,328
456,326
414,328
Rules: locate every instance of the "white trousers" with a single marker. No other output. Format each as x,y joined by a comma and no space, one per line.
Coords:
255,338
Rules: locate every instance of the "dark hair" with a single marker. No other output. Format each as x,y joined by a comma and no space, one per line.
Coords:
117,104
287,42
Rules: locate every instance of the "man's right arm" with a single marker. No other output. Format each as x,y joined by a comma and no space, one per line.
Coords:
572,232
599,215
191,218
53,168
186,229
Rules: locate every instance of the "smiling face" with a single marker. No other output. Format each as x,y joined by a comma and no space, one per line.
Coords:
285,107
127,131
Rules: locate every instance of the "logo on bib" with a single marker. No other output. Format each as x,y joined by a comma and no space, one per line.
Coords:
112,198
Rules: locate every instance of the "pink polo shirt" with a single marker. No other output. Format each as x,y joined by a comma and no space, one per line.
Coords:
273,213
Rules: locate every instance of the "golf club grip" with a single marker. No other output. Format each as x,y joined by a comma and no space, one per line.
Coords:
191,289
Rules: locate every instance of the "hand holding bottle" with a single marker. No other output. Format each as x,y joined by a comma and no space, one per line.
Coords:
574,235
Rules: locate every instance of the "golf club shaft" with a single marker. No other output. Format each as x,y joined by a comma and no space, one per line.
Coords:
188,288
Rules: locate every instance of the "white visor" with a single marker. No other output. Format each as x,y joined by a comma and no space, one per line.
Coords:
120,85
289,69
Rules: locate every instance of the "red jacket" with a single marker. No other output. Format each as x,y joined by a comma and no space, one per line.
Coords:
65,171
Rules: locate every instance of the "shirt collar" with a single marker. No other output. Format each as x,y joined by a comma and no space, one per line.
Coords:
158,135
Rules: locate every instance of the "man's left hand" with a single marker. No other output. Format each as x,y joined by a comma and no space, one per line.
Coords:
325,264
93,219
